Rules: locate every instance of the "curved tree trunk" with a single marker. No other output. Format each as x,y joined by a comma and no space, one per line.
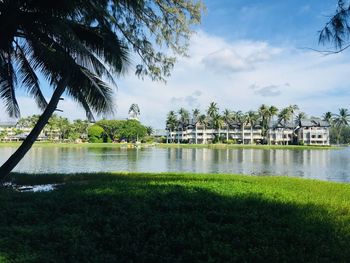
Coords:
17,156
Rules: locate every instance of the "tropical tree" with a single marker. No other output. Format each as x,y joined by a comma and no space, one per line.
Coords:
171,123
284,117
241,118
227,117
195,116
184,120
76,44
251,119
134,111
336,31
300,116
218,123
203,120
328,116
341,120
213,109
264,114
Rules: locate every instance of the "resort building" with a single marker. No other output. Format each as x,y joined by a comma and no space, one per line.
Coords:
308,132
313,132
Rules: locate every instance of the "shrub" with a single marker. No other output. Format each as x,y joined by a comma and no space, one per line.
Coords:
97,134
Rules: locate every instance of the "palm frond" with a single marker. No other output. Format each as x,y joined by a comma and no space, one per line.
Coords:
8,83
29,78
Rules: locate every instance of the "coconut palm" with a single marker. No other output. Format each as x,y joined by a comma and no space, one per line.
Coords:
134,111
341,120
171,123
203,120
227,117
300,116
76,45
213,109
284,117
217,124
328,116
264,114
184,119
251,119
241,118
72,53
195,115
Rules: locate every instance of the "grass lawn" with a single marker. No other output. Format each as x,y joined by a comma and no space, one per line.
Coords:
175,218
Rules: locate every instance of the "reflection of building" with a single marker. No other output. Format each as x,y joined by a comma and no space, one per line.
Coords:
309,132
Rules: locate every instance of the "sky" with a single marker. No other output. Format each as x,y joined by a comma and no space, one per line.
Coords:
244,53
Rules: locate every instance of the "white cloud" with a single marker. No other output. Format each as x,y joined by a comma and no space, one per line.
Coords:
222,71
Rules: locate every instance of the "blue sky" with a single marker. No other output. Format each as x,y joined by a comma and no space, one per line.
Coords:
245,53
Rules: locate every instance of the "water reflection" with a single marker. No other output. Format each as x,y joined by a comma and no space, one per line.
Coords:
322,164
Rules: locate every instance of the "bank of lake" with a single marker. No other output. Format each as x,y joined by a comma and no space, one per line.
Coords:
171,217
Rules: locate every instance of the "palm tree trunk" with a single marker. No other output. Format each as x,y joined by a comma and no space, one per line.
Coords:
196,135
251,135
17,156
242,134
227,135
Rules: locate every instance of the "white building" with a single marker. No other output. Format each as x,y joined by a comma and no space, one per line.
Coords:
308,132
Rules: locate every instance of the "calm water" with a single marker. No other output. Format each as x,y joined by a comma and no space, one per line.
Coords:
332,165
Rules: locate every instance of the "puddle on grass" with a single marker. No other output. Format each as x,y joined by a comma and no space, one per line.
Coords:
32,188
36,188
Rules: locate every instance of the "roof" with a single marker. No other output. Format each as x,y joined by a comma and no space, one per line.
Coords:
315,122
287,125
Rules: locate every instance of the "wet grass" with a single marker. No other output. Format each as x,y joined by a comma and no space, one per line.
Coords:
175,218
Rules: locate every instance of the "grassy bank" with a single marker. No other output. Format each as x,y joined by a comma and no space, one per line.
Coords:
174,145
175,218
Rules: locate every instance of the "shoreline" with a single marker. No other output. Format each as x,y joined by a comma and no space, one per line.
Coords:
153,216
175,145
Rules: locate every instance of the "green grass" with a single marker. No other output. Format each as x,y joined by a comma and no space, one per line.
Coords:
175,218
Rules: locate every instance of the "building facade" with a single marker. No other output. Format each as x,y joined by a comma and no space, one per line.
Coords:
307,132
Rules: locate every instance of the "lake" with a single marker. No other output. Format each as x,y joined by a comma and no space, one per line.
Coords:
330,165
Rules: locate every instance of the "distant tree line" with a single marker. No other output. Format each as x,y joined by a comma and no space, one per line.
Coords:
57,126
102,131
265,115
118,131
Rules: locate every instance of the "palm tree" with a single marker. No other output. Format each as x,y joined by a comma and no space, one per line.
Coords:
73,55
300,116
264,114
218,122
213,109
283,117
251,119
195,115
293,109
203,120
241,118
184,119
227,117
134,111
171,123
328,116
341,120
272,113
76,44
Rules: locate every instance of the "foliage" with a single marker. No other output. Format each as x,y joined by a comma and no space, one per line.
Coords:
97,134
176,218
118,130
